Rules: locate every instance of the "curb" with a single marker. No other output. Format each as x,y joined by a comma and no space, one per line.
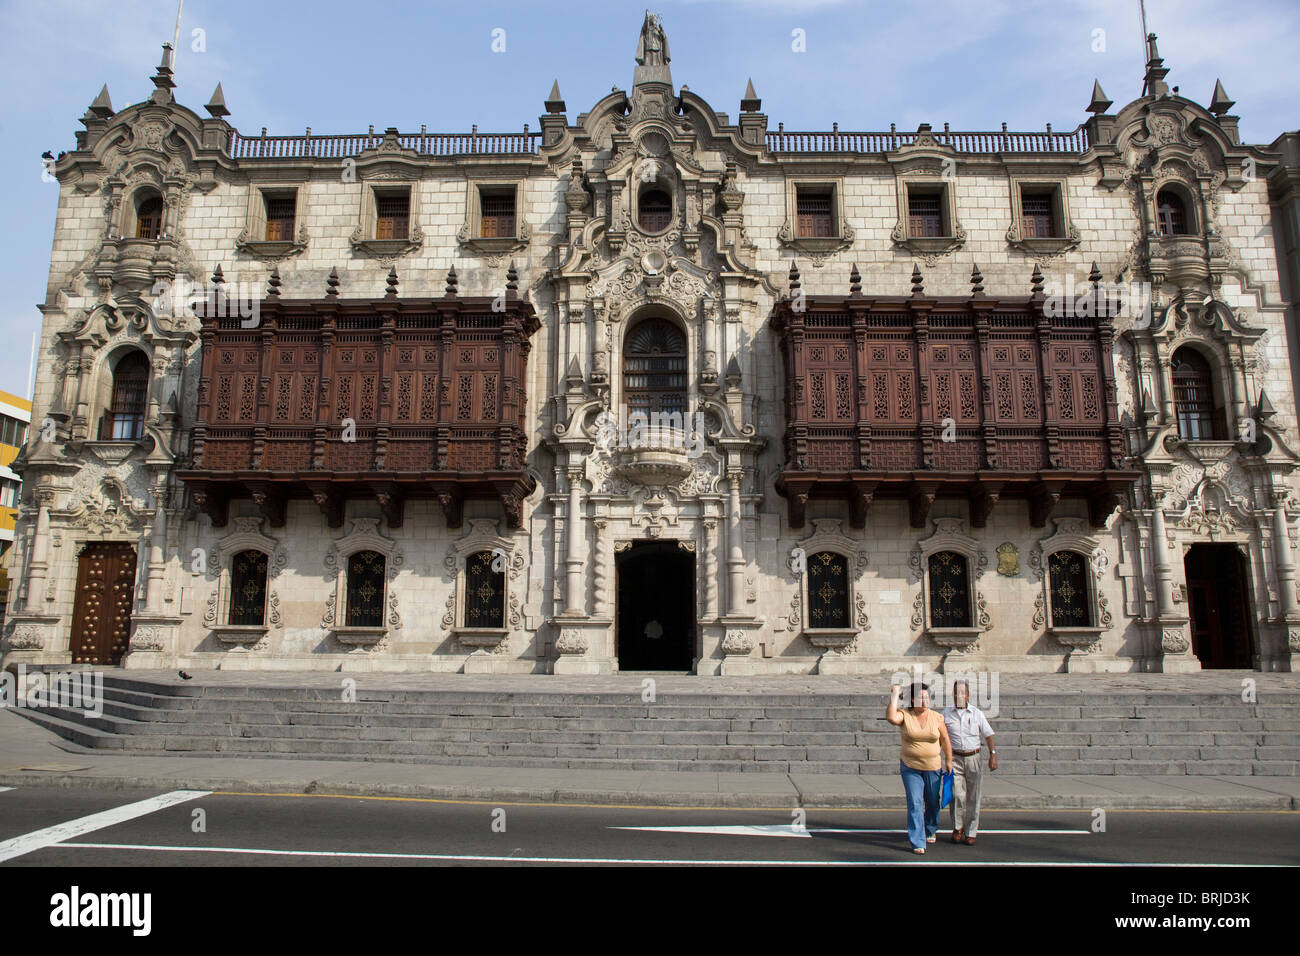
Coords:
776,801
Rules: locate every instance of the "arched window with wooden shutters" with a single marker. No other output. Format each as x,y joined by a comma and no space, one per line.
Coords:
1067,573
1171,213
485,590
124,420
654,210
148,217
949,590
248,588
366,589
1199,419
828,590
654,368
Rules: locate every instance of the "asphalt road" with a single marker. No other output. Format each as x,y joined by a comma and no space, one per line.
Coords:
188,828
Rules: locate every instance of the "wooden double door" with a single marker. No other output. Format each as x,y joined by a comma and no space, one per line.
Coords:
101,616
1217,596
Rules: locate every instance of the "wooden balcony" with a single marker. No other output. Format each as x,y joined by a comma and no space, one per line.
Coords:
387,399
921,397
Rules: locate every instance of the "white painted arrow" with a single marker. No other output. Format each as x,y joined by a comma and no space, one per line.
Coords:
774,830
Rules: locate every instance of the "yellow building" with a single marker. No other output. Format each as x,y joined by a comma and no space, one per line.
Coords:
15,417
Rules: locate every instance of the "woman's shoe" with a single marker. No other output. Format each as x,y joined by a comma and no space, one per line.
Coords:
919,850
931,838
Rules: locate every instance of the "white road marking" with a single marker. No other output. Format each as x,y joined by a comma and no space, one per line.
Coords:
39,839
941,832
639,861
3,789
775,829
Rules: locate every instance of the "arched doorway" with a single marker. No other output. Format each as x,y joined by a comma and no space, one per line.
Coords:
1218,600
656,607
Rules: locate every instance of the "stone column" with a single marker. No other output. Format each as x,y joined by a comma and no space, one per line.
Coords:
735,548
601,568
39,568
157,553
710,568
1285,563
573,600
1160,556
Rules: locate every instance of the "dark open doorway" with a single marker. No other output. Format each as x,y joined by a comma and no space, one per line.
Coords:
656,607
1218,580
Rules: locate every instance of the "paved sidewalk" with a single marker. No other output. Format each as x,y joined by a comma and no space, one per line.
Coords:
33,756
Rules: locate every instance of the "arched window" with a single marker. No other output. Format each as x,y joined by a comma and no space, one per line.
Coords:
124,420
654,210
248,588
148,217
828,590
485,591
949,590
366,589
1171,213
1068,578
654,368
1194,407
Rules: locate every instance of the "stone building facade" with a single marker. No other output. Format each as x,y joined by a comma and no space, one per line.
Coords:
908,406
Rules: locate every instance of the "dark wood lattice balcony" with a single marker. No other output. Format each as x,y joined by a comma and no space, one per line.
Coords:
387,399
920,397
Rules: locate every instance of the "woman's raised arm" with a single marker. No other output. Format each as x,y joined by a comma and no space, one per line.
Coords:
892,713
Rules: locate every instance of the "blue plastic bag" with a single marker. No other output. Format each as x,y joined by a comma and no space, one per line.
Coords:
945,790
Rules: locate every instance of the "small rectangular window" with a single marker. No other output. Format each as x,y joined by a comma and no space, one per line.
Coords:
497,213
1037,219
925,214
814,211
392,215
280,214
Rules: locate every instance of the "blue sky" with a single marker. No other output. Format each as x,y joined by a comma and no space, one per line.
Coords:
340,66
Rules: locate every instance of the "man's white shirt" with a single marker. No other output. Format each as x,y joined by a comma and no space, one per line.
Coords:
967,727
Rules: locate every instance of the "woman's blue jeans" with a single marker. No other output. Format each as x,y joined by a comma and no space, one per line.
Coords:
922,788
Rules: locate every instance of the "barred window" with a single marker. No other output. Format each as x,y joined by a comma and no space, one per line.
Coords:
497,213
654,368
280,213
828,590
949,590
654,210
393,213
1068,579
485,591
148,218
925,215
1036,215
366,589
248,588
1171,214
813,210
125,418
1198,419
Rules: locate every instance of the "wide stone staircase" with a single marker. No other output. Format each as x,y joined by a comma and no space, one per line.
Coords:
1101,731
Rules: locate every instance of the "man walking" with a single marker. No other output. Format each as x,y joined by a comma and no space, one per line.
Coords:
966,726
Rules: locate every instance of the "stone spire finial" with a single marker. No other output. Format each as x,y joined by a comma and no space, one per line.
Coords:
794,278
1094,275
555,102
750,103
1219,102
512,281
273,284
976,280
1100,103
218,278
732,376
332,283
163,78
102,106
217,105
452,282
390,292
1264,410
918,283
1036,282
1153,84
855,281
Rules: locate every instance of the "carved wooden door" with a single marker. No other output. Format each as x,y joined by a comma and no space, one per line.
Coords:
101,618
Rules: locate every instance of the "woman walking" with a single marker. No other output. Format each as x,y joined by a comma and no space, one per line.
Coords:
925,748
